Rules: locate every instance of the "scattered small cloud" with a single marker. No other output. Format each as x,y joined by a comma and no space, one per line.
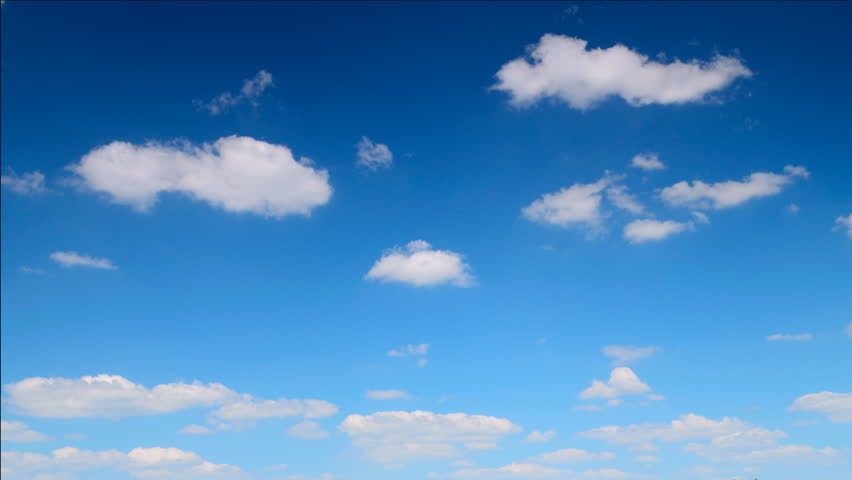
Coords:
25,184
837,407
250,92
844,223
642,231
373,155
793,209
790,337
540,437
571,455
622,382
31,270
19,432
624,354
420,265
647,162
388,395
700,217
196,430
74,259
410,350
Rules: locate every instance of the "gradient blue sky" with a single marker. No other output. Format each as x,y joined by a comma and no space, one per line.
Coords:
503,319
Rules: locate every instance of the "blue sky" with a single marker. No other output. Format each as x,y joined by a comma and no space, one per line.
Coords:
426,240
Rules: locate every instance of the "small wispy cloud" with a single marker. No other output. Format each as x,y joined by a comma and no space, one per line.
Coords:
373,155
24,184
788,337
74,259
251,90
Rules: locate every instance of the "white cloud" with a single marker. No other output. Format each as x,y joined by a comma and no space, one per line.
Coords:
155,462
400,437
687,427
786,455
561,67
731,193
110,396
113,396
236,174
836,406
844,223
578,204
513,470
251,90
25,184
788,337
701,217
74,259
571,455
410,350
420,265
622,382
618,195
539,437
641,231
307,430
387,394
196,430
248,408
373,155
647,162
624,354
19,432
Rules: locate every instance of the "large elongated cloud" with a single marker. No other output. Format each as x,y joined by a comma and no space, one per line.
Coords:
420,265
731,193
154,462
400,437
563,68
236,174
113,396
687,427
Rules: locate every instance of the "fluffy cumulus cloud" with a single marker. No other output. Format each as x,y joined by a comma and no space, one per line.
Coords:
731,193
539,437
387,395
579,204
844,223
155,462
113,396
790,337
307,430
250,92
400,437
373,155
641,231
624,354
25,184
647,162
236,174
19,432
420,265
74,259
622,382
563,68
837,407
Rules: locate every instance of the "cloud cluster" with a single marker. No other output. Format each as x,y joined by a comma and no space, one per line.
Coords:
731,193
373,155
562,68
25,184
251,90
236,174
400,437
74,259
155,462
420,265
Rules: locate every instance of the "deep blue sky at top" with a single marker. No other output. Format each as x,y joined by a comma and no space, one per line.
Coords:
198,288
